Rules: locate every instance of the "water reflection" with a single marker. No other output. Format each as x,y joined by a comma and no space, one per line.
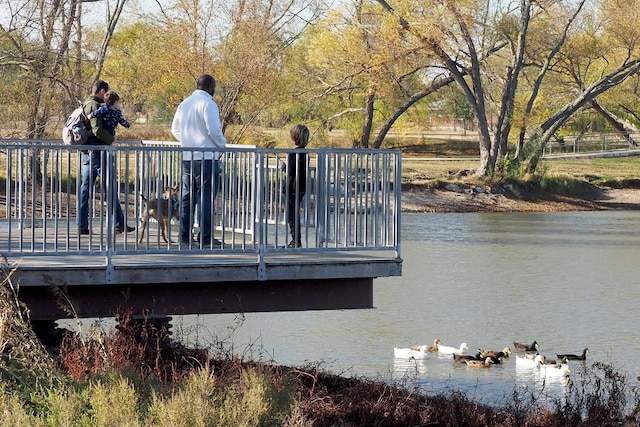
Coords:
534,380
409,368
567,280
483,279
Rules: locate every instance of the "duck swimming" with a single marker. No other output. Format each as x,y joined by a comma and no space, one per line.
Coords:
556,371
496,354
527,362
554,361
479,363
462,358
526,347
410,353
431,348
434,347
582,356
445,349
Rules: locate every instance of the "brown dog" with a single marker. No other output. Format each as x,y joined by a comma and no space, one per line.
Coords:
160,209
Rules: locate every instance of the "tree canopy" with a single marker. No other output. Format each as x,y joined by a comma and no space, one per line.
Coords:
523,72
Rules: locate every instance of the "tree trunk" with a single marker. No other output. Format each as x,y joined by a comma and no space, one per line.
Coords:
614,121
428,90
112,21
551,125
486,162
368,121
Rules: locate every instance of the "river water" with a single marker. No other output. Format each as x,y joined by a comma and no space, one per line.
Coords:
568,280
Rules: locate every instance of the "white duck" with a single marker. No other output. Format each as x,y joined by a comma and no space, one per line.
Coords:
445,349
529,362
410,353
555,371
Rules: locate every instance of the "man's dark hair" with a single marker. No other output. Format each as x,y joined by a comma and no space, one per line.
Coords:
207,83
99,85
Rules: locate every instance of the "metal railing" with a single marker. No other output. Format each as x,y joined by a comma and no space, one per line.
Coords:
592,143
351,200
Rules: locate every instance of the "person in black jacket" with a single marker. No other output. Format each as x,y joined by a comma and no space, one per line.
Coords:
296,181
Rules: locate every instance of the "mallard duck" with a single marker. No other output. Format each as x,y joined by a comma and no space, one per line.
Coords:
410,353
445,349
433,348
496,360
526,362
582,356
554,361
462,358
496,354
526,347
430,348
479,363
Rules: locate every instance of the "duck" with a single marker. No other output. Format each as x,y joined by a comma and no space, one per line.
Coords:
556,370
445,349
410,353
582,356
554,361
479,363
433,348
528,362
526,347
496,360
496,354
462,358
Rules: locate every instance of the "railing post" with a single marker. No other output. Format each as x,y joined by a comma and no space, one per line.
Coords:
259,183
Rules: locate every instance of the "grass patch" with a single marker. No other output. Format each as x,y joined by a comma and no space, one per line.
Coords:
621,170
137,375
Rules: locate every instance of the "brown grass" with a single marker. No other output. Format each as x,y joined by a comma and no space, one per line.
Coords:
139,346
330,400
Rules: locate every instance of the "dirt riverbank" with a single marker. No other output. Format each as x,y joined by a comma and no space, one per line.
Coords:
417,197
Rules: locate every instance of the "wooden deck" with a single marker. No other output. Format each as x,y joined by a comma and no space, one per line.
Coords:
236,278
352,201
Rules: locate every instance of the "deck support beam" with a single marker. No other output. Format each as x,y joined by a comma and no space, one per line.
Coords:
202,298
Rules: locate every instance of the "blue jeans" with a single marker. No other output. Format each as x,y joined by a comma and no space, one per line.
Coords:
199,188
94,164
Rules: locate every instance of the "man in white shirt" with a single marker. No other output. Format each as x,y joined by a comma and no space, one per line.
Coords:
196,124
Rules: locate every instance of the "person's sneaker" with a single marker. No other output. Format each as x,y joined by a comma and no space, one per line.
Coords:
292,244
85,231
217,244
127,229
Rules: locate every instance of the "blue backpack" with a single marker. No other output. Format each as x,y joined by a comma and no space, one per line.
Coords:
77,128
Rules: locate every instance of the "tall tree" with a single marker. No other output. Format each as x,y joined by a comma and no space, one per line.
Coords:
242,44
252,56
466,34
39,38
38,34
360,65
462,39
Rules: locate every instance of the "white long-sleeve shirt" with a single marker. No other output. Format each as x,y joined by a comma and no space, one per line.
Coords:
196,124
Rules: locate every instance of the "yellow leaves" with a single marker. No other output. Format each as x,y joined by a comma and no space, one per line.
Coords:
621,19
368,43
